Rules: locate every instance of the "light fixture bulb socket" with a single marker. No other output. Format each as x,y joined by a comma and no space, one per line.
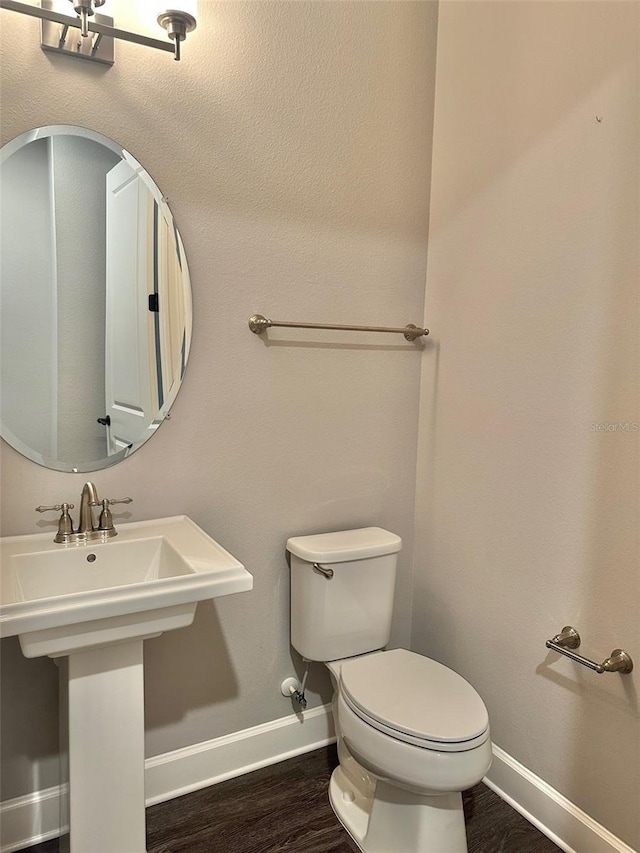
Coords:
177,24
86,6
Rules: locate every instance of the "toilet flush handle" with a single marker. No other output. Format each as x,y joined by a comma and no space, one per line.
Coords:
323,570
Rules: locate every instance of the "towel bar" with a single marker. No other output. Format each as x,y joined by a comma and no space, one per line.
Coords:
259,324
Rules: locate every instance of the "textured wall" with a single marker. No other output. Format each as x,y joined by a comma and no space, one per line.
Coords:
293,142
527,503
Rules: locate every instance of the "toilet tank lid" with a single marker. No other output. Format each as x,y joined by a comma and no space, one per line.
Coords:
345,545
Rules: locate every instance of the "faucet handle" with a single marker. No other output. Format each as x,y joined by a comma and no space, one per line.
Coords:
54,508
105,523
65,524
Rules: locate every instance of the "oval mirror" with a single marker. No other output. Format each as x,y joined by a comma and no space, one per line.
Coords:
95,300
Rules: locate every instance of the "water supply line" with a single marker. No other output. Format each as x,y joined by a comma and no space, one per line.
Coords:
294,689
298,695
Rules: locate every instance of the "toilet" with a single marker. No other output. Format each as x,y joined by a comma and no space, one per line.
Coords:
412,733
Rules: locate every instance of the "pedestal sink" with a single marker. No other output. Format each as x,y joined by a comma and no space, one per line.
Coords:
94,604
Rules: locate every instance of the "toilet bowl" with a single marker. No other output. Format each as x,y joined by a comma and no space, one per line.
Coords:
412,734
413,721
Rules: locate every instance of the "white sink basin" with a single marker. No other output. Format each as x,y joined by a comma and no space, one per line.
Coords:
65,598
50,574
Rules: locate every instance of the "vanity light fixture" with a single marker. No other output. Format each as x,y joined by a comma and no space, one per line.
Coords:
97,31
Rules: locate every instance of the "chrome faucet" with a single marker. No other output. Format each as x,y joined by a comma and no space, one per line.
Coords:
87,528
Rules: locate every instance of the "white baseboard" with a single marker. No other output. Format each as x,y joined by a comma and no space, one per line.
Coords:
36,817
184,770
554,815
30,819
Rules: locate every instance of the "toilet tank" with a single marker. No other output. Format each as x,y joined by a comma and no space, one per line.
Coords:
350,612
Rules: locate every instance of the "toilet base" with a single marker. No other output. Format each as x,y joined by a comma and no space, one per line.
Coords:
381,818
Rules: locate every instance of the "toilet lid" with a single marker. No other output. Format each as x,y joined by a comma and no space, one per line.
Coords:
409,694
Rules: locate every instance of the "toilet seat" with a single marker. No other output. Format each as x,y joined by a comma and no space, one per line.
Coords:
415,700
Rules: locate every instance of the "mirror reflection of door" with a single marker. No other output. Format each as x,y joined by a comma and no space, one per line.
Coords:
95,300
129,333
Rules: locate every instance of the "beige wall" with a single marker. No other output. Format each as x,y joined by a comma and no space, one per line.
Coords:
527,516
293,144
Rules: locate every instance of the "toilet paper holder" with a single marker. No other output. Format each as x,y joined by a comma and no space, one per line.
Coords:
569,639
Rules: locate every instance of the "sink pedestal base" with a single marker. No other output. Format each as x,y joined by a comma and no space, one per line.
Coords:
93,605
105,690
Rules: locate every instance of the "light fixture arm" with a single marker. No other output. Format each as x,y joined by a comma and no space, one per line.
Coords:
83,21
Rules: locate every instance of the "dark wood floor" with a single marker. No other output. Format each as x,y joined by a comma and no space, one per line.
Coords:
285,809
